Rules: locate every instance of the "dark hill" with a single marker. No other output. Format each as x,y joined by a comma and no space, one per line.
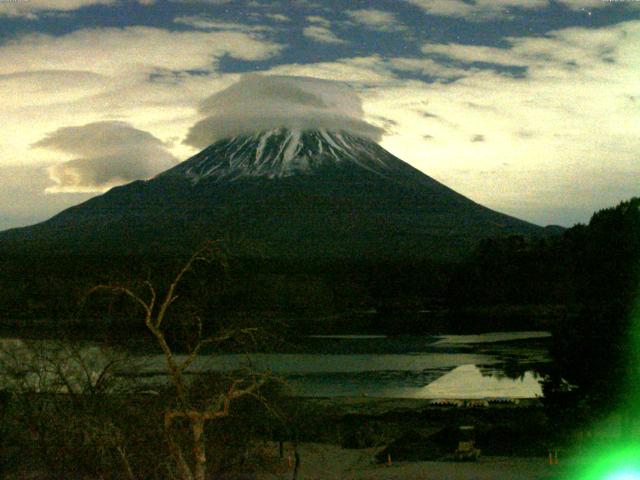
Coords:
286,194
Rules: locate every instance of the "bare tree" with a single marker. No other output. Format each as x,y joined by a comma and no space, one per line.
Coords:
195,412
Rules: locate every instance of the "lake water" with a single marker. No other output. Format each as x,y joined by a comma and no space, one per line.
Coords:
490,365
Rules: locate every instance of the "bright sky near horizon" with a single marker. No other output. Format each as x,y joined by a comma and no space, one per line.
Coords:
530,107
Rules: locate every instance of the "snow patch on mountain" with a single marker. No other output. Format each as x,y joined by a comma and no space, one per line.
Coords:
283,152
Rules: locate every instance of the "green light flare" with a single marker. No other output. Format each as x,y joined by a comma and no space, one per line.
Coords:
616,462
620,460
624,475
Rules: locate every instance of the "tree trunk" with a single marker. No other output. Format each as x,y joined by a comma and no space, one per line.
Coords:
176,451
200,457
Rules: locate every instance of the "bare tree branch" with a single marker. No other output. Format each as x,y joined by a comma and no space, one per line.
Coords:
155,310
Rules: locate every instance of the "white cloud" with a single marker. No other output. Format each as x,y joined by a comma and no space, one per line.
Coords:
376,19
23,199
278,17
123,51
480,10
588,4
165,108
318,20
475,53
426,66
372,71
104,154
36,87
565,49
359,71
203,22
30,9
260,102
321,34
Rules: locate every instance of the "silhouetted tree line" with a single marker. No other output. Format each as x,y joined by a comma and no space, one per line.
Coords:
47,292
516,270
584,265
595,354
593,270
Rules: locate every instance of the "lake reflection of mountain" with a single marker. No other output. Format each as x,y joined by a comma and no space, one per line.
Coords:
461,382
503,366
488,365
467,381
479,366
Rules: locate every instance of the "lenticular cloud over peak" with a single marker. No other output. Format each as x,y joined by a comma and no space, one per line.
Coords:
260,102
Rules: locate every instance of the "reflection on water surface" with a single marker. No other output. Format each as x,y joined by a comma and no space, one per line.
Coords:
451,366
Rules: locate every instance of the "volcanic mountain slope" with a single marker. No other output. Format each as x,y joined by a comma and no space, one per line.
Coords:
285,193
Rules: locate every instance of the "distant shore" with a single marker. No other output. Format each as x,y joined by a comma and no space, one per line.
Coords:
435,321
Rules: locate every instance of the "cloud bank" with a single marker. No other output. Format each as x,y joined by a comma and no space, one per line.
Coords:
483,10
29,8
259,102
137,74
130,51
560,139
106,154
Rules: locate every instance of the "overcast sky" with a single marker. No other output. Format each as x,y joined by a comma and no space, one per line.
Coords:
530,107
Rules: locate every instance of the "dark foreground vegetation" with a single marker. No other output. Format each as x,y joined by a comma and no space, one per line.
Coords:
582,285
123,436
109,436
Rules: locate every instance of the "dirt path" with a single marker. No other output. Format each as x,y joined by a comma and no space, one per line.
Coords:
326,462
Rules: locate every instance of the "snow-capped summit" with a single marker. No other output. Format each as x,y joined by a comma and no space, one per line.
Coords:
283,152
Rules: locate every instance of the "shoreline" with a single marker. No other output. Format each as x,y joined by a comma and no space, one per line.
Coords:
383,405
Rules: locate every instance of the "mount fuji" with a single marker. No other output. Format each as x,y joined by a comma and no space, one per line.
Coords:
285,193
